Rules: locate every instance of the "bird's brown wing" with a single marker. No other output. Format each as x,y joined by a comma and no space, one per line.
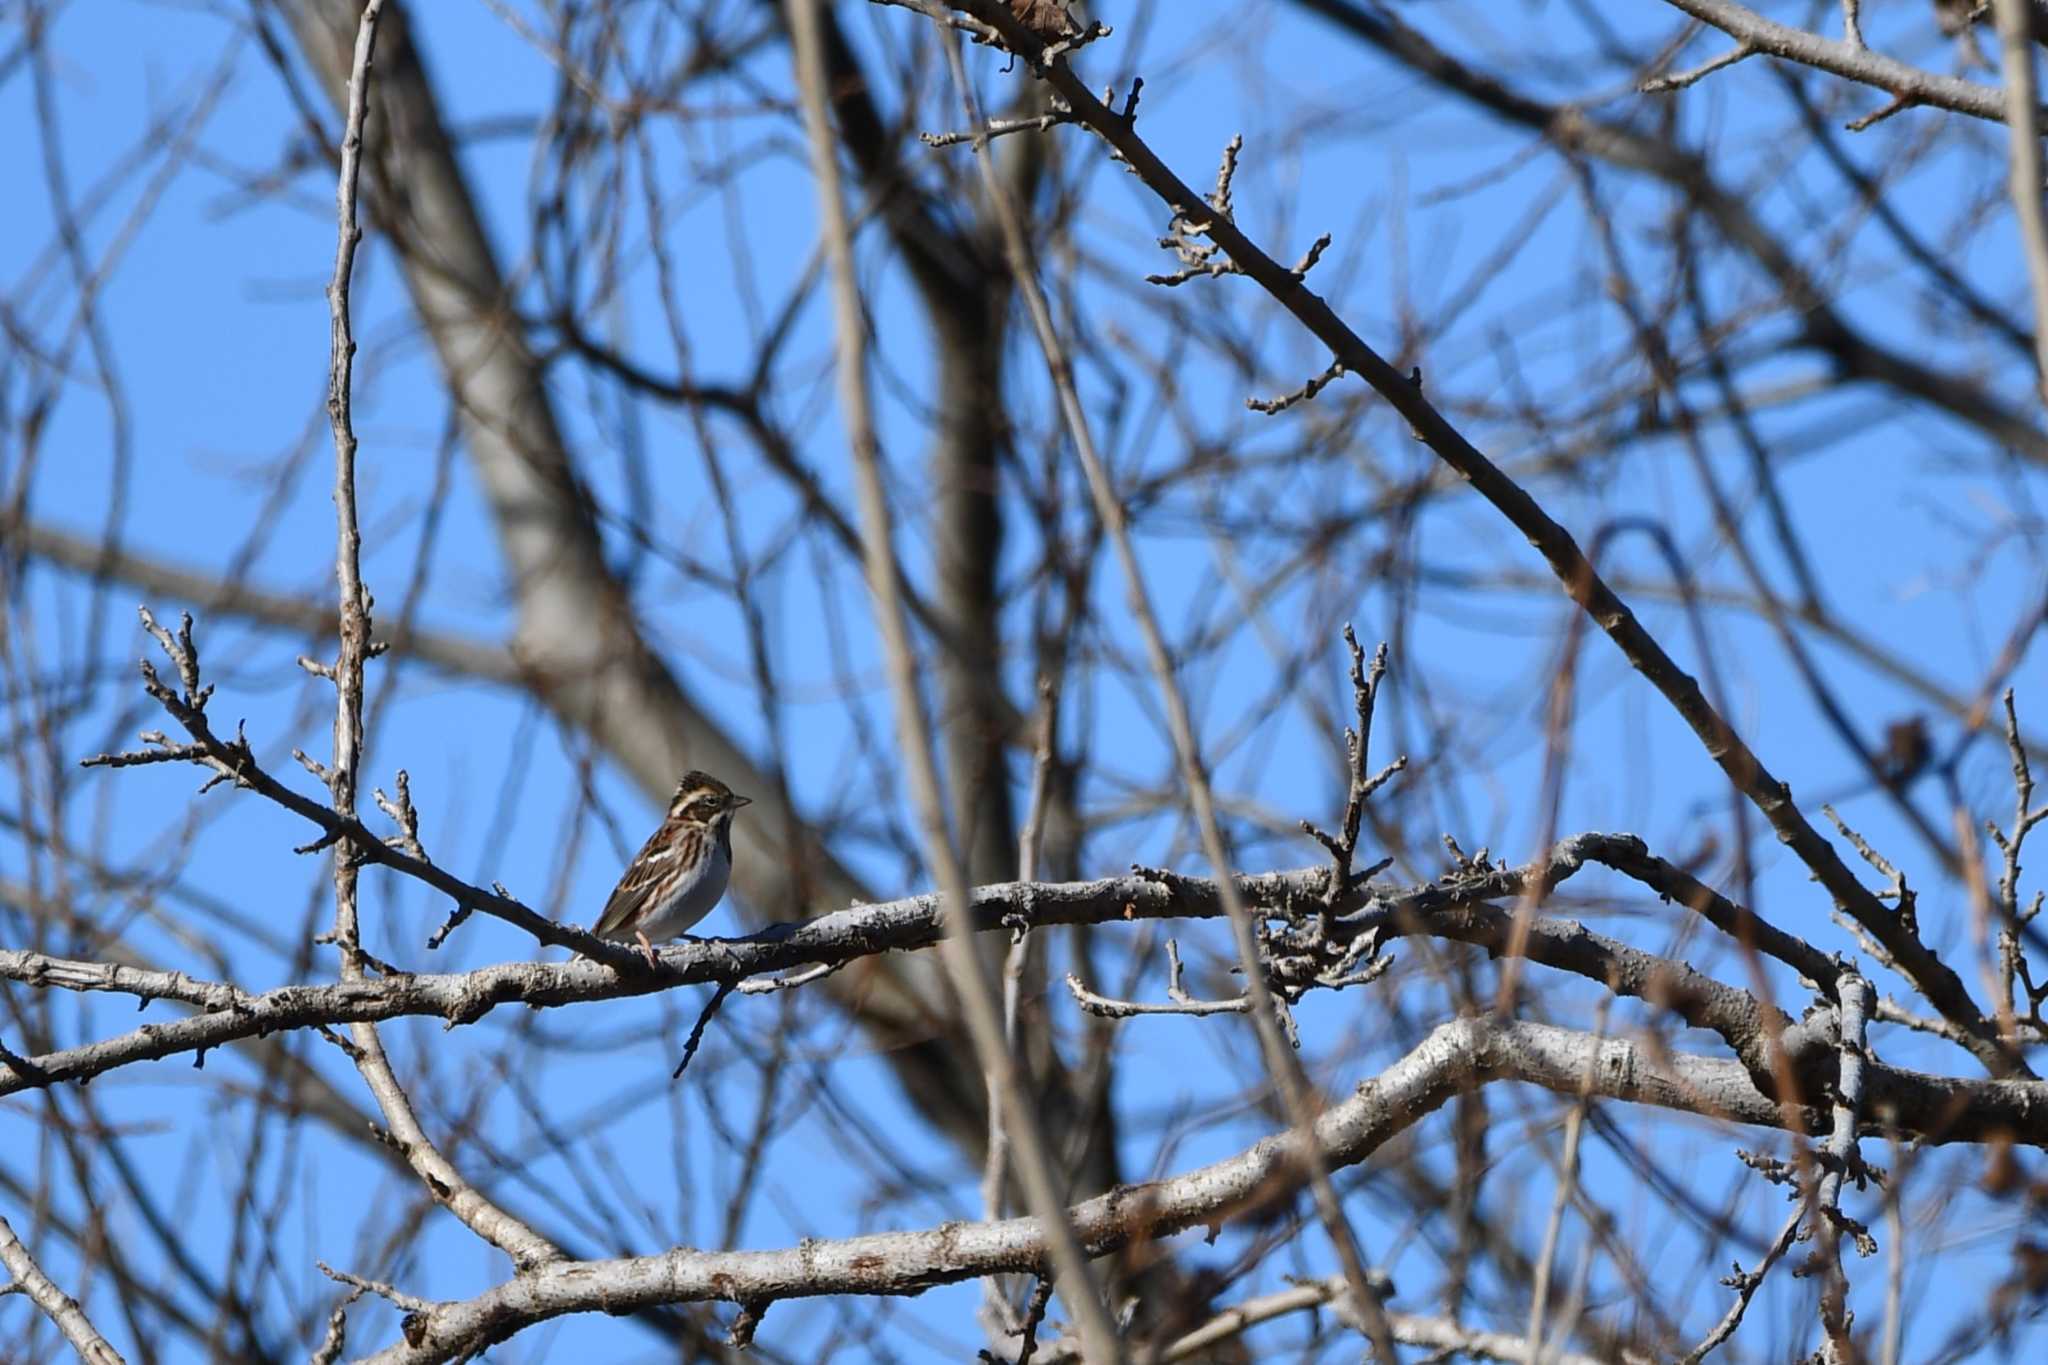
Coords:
629,897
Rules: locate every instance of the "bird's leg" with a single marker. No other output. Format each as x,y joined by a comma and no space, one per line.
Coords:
647,948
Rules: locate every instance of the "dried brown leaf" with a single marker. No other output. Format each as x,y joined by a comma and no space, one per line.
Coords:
1046,18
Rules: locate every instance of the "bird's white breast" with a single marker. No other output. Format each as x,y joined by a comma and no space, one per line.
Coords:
694,900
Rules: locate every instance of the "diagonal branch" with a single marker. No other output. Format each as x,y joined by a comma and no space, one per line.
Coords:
482,1215
1280,1061
61,1308
1581,582
1454,1058
1853,61
1821,325
964,965
579,646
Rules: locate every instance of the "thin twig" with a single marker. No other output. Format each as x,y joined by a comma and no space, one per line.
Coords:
1280,1060
1678,80
1934,978
1745,1283
1567,1180
2023,140
995,1169
1179,1001
522,1243
963,964
1844,1162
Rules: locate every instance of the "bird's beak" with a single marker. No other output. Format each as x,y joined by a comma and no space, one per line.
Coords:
739,801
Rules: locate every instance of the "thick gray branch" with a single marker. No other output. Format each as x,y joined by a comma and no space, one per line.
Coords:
1852,61
1453,1058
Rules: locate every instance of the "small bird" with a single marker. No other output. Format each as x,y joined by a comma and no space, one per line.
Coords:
680,872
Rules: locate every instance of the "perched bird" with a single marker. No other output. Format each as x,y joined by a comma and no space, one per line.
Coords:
680,872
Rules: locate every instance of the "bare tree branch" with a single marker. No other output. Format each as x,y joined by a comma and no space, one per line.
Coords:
61,1308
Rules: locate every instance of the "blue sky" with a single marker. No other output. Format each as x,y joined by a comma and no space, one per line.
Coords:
215,320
